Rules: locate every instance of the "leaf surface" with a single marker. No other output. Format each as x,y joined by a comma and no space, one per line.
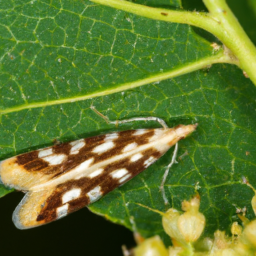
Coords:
60,57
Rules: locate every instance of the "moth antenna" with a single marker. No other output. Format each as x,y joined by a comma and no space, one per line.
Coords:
149,118
174,156
150,209
100,114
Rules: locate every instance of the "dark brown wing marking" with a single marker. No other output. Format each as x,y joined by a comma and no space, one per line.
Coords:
27,157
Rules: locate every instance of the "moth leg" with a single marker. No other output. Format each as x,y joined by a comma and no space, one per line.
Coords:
173,161
150,118
125,251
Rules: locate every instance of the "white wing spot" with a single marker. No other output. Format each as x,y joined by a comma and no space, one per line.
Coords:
149,161
111,136
82,167
73,143
130,147
76,146
45,152
96,173
95,194
62,211
136,157
157,134
125,178
55,159
103,147
117,174
71,195
140,132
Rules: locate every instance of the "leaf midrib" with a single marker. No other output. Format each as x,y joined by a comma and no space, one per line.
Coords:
178,71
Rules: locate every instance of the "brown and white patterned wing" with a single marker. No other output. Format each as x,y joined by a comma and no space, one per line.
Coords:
64,178
45,205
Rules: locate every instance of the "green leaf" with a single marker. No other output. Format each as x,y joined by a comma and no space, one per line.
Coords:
60,57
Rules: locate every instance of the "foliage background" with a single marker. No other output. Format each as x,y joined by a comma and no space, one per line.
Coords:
49,57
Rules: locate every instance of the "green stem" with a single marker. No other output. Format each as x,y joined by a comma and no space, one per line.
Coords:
221,22
233,36
201,20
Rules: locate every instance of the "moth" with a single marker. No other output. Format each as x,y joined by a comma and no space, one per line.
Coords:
66,177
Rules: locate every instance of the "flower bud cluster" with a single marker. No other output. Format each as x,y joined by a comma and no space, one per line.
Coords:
185,229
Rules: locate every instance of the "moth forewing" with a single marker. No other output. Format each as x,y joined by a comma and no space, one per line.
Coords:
66,177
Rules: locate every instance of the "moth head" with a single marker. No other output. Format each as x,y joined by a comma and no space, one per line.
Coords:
183,130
